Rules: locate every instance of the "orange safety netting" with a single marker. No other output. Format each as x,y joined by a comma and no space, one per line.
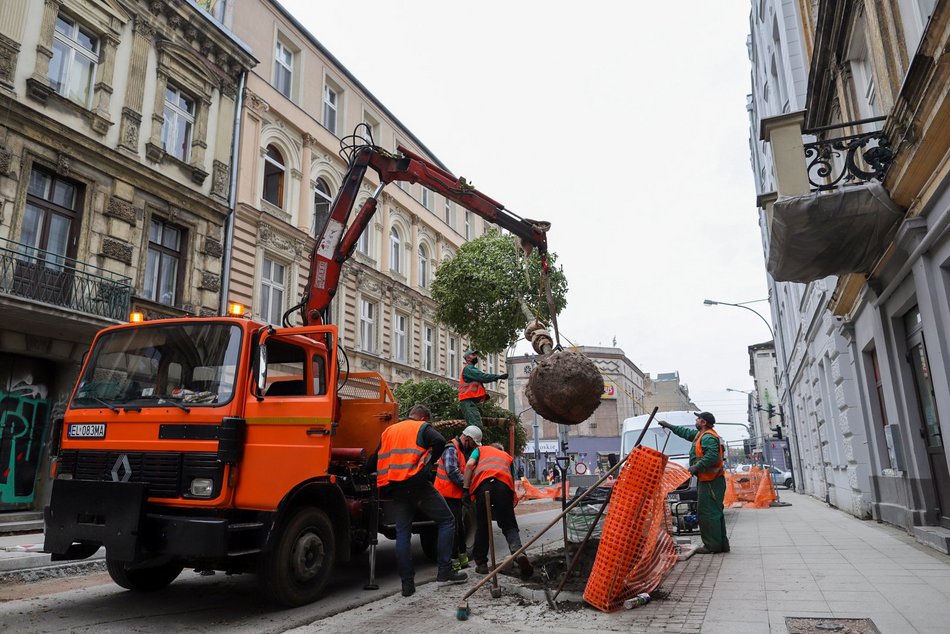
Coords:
749,489
636,549
532,492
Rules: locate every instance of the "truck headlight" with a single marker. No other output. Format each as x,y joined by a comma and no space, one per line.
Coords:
201,487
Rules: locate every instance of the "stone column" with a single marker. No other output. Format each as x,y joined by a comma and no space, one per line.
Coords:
44,50
305,205
12,17
199,136
135,89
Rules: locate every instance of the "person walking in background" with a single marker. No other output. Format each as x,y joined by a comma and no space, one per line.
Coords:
472,388
449,480
402,464
490,469
705,462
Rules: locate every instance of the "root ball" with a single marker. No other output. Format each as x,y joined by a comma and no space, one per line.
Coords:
565,388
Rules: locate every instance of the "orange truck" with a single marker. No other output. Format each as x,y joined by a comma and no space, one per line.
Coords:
223,443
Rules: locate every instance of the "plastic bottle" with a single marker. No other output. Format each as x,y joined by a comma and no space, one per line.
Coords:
641,599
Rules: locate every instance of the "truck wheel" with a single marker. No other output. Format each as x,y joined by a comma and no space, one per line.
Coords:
429,538
297,569
789,483
143,579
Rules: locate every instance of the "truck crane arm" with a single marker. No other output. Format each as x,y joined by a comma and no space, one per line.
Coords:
336,243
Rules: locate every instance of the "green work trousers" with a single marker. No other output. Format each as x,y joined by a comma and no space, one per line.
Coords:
712,521
470,411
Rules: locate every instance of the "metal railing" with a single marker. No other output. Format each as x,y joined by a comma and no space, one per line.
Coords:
848,159
56,280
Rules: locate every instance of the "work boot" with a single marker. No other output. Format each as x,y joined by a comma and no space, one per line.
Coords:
481,569
702,550
408,588
450,578
524,567
456,564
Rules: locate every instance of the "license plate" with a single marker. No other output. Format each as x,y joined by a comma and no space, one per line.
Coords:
87,430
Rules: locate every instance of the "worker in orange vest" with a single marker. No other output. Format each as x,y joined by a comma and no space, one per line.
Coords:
705,462
402,465
489,468
449,480
472,389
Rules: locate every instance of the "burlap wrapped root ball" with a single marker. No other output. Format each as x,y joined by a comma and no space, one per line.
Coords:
565,388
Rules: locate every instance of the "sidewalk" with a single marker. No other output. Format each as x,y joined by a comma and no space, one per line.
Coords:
805,560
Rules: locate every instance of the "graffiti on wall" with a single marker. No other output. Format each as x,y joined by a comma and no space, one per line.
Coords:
24,416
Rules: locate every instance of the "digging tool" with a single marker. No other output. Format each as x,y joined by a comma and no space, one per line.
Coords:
462,611
373,536
495,590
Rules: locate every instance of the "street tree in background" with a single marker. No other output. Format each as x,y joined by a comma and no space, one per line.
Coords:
479,291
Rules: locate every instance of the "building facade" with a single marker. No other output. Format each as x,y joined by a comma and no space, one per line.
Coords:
867,153
299,103
667,393
116,139
593,440
762,400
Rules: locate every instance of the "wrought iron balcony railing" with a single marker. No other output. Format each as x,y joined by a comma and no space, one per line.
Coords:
53,279
848,159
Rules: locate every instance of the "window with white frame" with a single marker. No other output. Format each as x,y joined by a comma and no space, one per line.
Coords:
394,250
72,68
423,266
370,129
273,176
363,242
179,121
449,213
331,97
453,360
468,225
283,69
426,198
367,326
492,362
401,337
273,290
428,348
321,206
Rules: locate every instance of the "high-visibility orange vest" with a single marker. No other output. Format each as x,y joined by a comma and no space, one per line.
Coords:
716,470
400,456
443,484
492,463
473,389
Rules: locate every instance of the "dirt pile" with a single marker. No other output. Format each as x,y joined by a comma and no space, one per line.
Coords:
565,388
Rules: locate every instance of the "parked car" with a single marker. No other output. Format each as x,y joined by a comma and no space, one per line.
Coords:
779,478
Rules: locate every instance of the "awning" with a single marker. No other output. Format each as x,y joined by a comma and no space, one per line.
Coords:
835,232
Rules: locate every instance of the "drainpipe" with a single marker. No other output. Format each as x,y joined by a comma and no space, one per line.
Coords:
232,197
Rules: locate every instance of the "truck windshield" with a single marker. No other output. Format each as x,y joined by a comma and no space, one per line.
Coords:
155,365
655,438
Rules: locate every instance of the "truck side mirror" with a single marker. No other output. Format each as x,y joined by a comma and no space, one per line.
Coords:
261,370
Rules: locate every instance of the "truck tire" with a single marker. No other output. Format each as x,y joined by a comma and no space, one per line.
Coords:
143,579
789,483
429,538
298,567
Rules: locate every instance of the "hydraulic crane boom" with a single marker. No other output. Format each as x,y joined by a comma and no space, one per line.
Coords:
336,243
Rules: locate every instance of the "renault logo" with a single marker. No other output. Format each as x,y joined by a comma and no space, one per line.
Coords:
121,470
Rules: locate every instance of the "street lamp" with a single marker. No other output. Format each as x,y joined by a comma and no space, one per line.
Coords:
710,302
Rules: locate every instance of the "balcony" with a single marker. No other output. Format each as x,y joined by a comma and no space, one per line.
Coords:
832,215
52,283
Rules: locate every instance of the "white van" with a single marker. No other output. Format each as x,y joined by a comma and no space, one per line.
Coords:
657,437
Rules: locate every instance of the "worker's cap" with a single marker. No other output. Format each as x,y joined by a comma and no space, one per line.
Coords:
706,416
474,433
469,353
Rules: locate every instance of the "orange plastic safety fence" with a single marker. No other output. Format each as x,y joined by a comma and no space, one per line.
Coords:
766,493
552,492
749,489
636,549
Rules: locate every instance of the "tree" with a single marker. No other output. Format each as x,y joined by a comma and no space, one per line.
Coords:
479,291
442,400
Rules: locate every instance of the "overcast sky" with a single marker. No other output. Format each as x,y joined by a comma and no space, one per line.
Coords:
621,123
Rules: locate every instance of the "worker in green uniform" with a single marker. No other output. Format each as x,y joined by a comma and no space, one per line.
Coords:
705,462
472,389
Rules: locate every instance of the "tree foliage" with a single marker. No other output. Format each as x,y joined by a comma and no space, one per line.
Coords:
441,398
478,290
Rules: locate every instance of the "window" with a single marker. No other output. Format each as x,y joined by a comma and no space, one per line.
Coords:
426,197
330,97
449,214
283,69
468,225
362,243
72,68
47,236
179,121
163,263
216,8
394,245
428,348
274,177
401,339
272,291
370,129
423,266
367,326
453,361
321,206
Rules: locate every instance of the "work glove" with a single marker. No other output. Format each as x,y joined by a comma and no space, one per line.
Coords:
663,423
466,498
694,469
503,376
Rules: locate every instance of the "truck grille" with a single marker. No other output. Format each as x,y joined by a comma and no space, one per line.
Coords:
162,471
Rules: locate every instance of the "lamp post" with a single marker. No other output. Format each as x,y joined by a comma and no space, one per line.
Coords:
753,405
710,302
